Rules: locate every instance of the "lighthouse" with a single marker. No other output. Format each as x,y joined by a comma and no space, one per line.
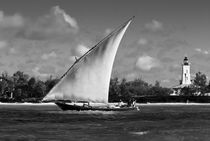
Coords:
186,80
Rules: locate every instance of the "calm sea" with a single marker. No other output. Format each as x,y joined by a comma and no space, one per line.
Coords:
151,123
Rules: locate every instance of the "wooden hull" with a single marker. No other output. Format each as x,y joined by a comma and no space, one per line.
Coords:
65,106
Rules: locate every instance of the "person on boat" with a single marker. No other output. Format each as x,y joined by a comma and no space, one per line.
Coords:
120,104
129,103
86,104
134,103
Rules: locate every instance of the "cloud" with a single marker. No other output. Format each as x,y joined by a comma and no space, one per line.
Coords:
206,52
81,49
3,44
29,41
198,49
49,55
38,74
146,63
143,45
158,29
15,20
202,51
56,24
154,25
70,20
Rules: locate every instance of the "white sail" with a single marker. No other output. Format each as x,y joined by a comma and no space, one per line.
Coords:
89,77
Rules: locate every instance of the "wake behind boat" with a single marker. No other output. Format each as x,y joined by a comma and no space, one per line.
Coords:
89,77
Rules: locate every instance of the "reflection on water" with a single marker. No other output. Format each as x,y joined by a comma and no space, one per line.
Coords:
159,123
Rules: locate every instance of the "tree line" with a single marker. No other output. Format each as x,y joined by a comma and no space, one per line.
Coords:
139,89
128,90
21,87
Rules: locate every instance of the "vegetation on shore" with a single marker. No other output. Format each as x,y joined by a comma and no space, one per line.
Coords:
20,87
144,92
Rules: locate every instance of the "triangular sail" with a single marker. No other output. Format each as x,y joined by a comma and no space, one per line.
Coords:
88,78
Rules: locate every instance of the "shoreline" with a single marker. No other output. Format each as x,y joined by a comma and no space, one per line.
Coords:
168,104
26,103
137,104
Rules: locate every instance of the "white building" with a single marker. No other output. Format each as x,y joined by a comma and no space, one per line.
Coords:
185,78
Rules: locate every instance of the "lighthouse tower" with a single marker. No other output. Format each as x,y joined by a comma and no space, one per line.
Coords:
186,72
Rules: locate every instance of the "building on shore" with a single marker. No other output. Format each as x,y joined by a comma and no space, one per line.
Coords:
185,77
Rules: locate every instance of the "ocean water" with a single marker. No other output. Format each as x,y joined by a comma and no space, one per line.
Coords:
152,123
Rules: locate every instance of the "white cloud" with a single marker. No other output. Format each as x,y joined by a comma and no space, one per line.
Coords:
38,39
15,20
81,49
146,63
154,25
202,51
142,41
206,52
49,55
55,24
38,74
198,49
70,20
3,44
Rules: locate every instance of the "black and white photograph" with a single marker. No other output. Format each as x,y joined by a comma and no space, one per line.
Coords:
104,70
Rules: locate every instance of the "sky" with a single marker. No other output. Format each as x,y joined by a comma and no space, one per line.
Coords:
42,38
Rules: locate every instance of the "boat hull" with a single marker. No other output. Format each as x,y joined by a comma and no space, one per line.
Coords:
65,106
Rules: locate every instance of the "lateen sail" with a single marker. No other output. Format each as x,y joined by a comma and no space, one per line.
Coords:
89,77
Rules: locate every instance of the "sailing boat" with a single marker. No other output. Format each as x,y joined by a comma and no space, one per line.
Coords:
87,80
